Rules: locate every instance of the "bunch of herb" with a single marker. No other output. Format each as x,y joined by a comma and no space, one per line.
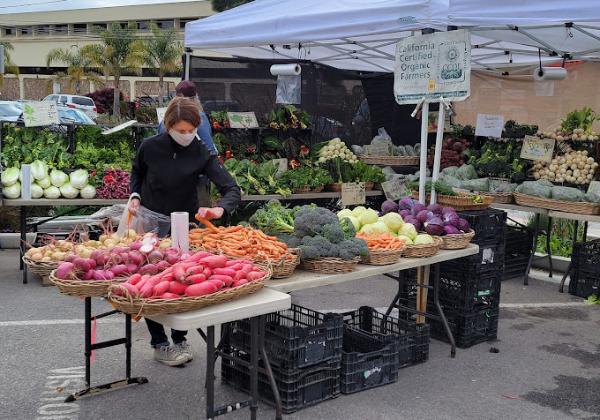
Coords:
305,176
274,219
362,172
288,117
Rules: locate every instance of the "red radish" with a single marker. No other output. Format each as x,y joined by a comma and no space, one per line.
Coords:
235,267
225,271
196,278
135,257
91,262
198,256
103,275
245,262
71,258
177,287
148,269
161,288
179,272
246,268
231,263
135,246
185,256
168,295
167,277
217,283
197,269
239,275
225,279
143,281
200,289
162,265
133,291
215,261
239,283
171,250
66,271
255,275
119,270
81,264
134,279
207,272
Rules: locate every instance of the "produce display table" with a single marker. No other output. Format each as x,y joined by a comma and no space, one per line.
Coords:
23,204
306,279
307,196
255,307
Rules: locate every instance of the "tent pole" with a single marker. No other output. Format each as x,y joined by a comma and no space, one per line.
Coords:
423,167
186,75
438,149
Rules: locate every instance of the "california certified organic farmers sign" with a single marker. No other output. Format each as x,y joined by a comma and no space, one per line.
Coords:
433,65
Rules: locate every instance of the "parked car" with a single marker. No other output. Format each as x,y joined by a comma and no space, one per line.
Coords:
70,115
82,103
325,128
10,111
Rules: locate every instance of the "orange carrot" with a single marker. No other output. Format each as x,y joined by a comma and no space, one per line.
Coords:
208,224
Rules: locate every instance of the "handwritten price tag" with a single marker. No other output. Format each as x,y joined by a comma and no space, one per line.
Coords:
40,113
353,193
535,148
395,189
242,120
489,125
384,149
160,113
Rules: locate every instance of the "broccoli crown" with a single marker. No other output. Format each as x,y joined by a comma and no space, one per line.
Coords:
350,248
333,232
349,229
315,247
310,220
292,241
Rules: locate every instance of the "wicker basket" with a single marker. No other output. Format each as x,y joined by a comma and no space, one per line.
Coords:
330,265
284,267
318,189
558,205
369,186
303,190
501,197
422,250
382,256
390,160
377,186
457,241
41,268
150,307
84,288
336,186
459,202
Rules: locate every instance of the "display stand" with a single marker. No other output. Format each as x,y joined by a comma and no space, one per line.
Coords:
255,307
89,347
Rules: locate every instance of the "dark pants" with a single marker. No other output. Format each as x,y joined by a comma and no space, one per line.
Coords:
159,338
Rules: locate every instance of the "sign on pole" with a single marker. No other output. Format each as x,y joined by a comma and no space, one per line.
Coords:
433,65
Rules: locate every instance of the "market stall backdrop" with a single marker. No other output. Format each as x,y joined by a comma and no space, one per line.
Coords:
351,35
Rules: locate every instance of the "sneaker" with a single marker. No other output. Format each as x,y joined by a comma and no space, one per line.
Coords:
185,349
169,355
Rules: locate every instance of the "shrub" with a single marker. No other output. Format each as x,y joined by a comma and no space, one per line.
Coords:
104,100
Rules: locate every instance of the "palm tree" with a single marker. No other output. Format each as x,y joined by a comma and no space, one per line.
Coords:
119,53
222,5
162,52
78,69
9,66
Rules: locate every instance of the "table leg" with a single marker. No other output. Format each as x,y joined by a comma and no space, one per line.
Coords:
254,331
548,250
23,239
436,301
400,280
210,372
562,281
269,370
536,230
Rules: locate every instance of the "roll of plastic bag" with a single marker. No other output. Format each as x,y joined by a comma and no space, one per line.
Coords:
286,69
179,231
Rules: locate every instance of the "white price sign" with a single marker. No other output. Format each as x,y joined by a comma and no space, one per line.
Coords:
353,193
40,113
489,125
395,189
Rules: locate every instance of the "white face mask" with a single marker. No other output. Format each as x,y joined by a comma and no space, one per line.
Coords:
182,139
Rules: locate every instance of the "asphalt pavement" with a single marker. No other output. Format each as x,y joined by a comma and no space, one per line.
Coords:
546,366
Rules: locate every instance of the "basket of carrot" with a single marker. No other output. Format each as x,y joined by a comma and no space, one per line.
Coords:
383,248
246,243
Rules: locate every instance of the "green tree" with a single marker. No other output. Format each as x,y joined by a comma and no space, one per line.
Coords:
222,5
162,51
78,69
119,53
9,66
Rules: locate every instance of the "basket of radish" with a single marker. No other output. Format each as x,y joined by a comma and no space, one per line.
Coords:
201,280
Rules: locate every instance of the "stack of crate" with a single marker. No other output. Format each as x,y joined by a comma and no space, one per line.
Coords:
519,246
469,287
304,348
585,269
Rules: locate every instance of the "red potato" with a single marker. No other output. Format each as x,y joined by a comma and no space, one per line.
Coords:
177,288
201,289
161,288
196,278
239,283
255,275
218,283
225,271
214,261
221,277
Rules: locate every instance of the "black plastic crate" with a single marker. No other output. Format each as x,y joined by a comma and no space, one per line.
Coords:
584,285
519,244
412,338
489,259
298,388
367,361
468,327
515,266
586,257
294,338
489,225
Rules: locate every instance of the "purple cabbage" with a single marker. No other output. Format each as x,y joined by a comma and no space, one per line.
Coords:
434,226
424,215
417,208
413,221
463,225
435,208
406,203
389,206
405,213
448,210
450,218
451,230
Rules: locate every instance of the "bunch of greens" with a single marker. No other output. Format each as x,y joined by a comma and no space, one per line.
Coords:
288,117
580,119
306,176
274,219
437,186
498,159
514,130
24,145
256,178
362,172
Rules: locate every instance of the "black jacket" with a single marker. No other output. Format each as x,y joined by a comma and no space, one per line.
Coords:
165,175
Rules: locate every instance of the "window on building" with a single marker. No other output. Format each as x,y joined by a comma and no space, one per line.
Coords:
10,31
182,22
61,29
165,24
80,28
43,29
26,30
100,25
143,25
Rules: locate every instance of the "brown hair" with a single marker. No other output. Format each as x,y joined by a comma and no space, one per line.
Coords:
182,109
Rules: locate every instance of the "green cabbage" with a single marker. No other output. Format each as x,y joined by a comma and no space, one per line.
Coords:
89,191
78,178
393,221
10,176
39,170
358,210
423,239
406,238
68,191
379,227
58,178
12,191
44,183
367,230
344,213
367,217
408,229
36,191
52,192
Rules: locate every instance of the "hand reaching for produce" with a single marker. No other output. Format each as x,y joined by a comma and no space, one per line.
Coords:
134,206
210,213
